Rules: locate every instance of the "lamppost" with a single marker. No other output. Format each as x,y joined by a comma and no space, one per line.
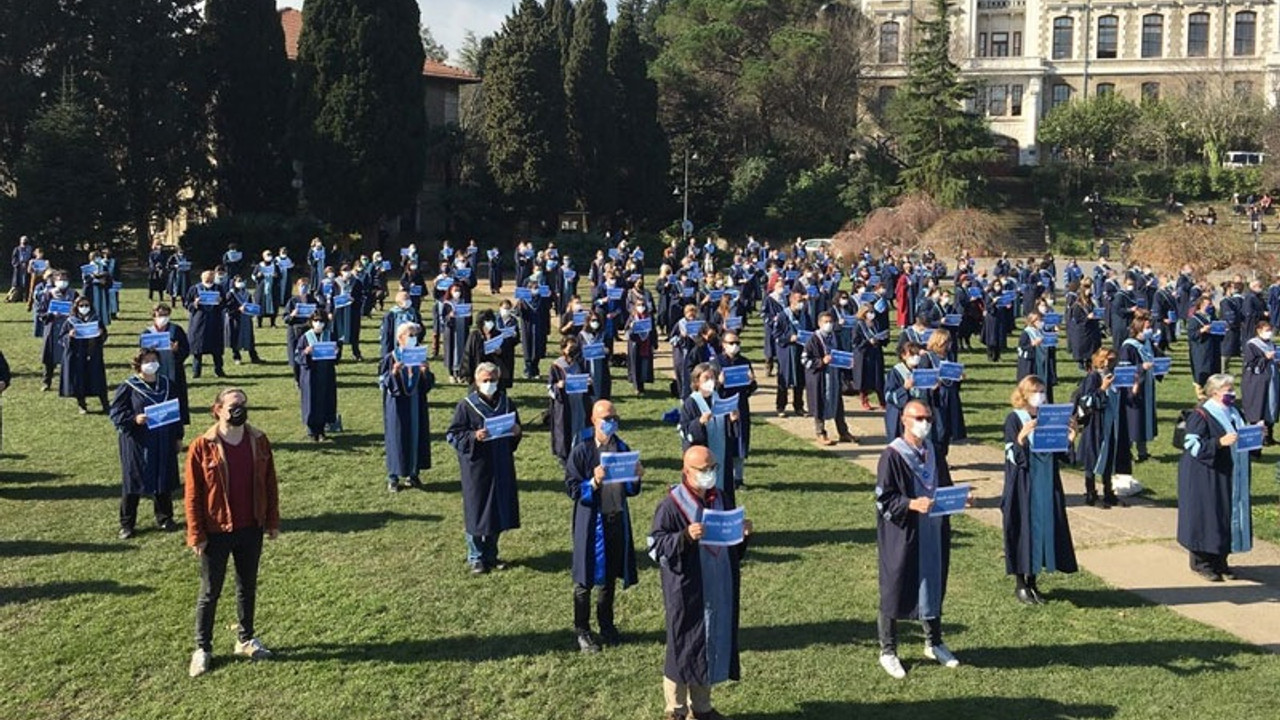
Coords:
685,228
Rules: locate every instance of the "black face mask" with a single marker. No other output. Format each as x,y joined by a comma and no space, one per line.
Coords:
237,415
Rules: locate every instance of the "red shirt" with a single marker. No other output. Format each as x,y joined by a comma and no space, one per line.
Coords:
240,482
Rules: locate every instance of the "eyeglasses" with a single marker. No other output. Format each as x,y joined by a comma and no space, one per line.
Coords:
709,468
918,417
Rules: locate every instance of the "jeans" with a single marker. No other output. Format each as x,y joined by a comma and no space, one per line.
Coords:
162,502
244,546
197,363
888,628
482,549
797,398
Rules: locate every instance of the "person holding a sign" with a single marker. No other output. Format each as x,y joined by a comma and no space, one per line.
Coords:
994,334
179,267
642,340
900,389
913,545
345,306
534,311
1084,330
53,307
599,477
1139,400
170,342
700,589
787,326
1204,346
1037,537
206,328
1035,357
948,421
1214,509
485,432
596,353
1260,400
84,373
570,406
822,381
406,421
298,311
148,419
1231,312
737,377
266,278
398,315
239,323
484,344
867,375
1104,448
317,357
708,417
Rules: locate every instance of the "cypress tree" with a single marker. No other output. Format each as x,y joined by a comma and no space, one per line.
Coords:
589,109
642,152
361,122
559,14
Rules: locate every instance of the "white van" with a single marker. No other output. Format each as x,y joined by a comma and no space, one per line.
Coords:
1242,158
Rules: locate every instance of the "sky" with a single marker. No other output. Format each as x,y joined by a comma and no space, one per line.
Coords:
450,20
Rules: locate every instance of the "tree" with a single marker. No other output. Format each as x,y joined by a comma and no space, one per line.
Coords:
68,189
433,49
29,27
642,152
589,108
944,146
471,55
559,14
1091,130
523,114
361,124
249,104
1219,116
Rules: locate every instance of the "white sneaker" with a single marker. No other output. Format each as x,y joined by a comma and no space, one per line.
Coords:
252,649
943,655
200,662
893,666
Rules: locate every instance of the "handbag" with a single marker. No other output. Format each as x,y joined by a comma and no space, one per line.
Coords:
1180,430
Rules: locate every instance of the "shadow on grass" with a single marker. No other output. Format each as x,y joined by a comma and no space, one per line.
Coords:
961,707
803,486
345,523
29,476
59,590
1184,658
337,441
811,538
60,492
32,548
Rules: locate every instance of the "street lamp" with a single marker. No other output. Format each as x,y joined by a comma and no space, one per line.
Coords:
685,229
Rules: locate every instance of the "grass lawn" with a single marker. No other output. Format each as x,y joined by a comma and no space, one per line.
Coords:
368,605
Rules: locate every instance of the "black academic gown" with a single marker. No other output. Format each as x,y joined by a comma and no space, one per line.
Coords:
207,325
1204,489
490,498
406,419
148,457
1017,503
897,538
693,432
742,428
84,373
868,360
1101,445
569,413
318,381
822,382
587,525
1205,349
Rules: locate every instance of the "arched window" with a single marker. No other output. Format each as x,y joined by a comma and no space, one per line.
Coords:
1152,35
1108,36
1062,38
1246,31
889,42
1198,35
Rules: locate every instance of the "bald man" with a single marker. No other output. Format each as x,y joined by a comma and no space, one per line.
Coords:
206,327
602,546
700,586
914,549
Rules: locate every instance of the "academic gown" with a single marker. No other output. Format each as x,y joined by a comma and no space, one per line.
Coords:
717,436
868,360
83,372
1260,383
455,337
1037,537
1104,447
569,413
822,381
993,331
1232,312
406,419
896,397
318,381
1140,407
742,428
790,367
507,356
1084,332
394,318
640,349
148,457
51,345
1213,503
587,523
473,354
173,364
1037,360
238,327
914,550
700,592
266,277
490,497
1161,308
295,327
948,424
1205,349
206,327
599,369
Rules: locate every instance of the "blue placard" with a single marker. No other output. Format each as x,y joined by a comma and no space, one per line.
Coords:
462,273
641,326
1250,438
733,322
88,269
949,500
736,376
1218,327
569,274
1050,439
715,295
39,266
60,307
234,256
614,293
500,426
251,309
1097,313
154,340
842,359
867,298
1162,365
925,378
1141,302
812,291
462,310
444,283
86,331
975,292
524,293
951,320
580,318
210,297
693,327
117,286
341,301
1006,299
873,281
283,262
1054,415
304,310
509,331
722,528
1172,316
1052,319
415,290
267,270
1125,376
791,275
576,383
185,265
386,266
413,356
619,467
721,406
593,351
614,254
687,291
802,336
161,414
951,371
493,345
544,291
1050,340
324,351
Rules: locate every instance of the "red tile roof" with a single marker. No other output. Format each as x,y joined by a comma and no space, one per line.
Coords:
291,22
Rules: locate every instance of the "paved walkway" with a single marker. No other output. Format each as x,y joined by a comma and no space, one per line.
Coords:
1132,548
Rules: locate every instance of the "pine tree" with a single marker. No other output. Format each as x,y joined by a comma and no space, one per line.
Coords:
359,107
433,48
589,108
249,103
523,115
642,151
944,146
559,13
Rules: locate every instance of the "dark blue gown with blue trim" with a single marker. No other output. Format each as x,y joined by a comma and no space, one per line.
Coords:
588,522
406,419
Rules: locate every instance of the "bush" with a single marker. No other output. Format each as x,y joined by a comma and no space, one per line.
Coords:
206,242
1205,248
1191,182
1152,182
1226,181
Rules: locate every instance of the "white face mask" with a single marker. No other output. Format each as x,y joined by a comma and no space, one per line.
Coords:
150,368
488,325
84,309
1036,399
411,340
871,317
827,328
731,349
639,307
920,429
162,321
488,389
239,286
1266,335
61,284
505,313
705,480
708,386
318,327
913,361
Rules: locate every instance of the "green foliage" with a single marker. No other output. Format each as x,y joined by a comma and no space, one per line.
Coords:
589,109
1151,182
432,48
813,204
944,147
1191,182
250,82
641,148
755,183
1223,182
1090,130
253,232
361,124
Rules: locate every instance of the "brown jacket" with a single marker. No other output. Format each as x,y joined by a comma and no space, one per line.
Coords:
207,502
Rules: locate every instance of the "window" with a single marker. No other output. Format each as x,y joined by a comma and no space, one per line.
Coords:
1152,36
1246,25
1000,44
996,95
979,102
1060,94
1150,91
1105,89
1015,100
1198,35
1108,36
982,44
884,95
451,100
1062,31
1243,88
889,42
1195,89
1017,44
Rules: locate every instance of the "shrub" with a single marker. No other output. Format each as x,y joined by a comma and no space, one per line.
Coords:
1205,248
206,242
1191,182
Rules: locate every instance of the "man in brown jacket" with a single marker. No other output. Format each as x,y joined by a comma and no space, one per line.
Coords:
231,501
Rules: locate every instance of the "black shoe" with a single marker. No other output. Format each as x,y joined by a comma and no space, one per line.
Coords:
499,565
1209,575
1090,498
478,568
1228,573
611,636
587,644
1144,458
416,484
219,373
1035,593
169,526
1110,500
1025,596
126,533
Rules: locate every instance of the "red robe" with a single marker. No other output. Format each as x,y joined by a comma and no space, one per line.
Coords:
900,297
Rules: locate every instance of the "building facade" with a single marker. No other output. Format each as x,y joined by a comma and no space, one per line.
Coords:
1029,56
